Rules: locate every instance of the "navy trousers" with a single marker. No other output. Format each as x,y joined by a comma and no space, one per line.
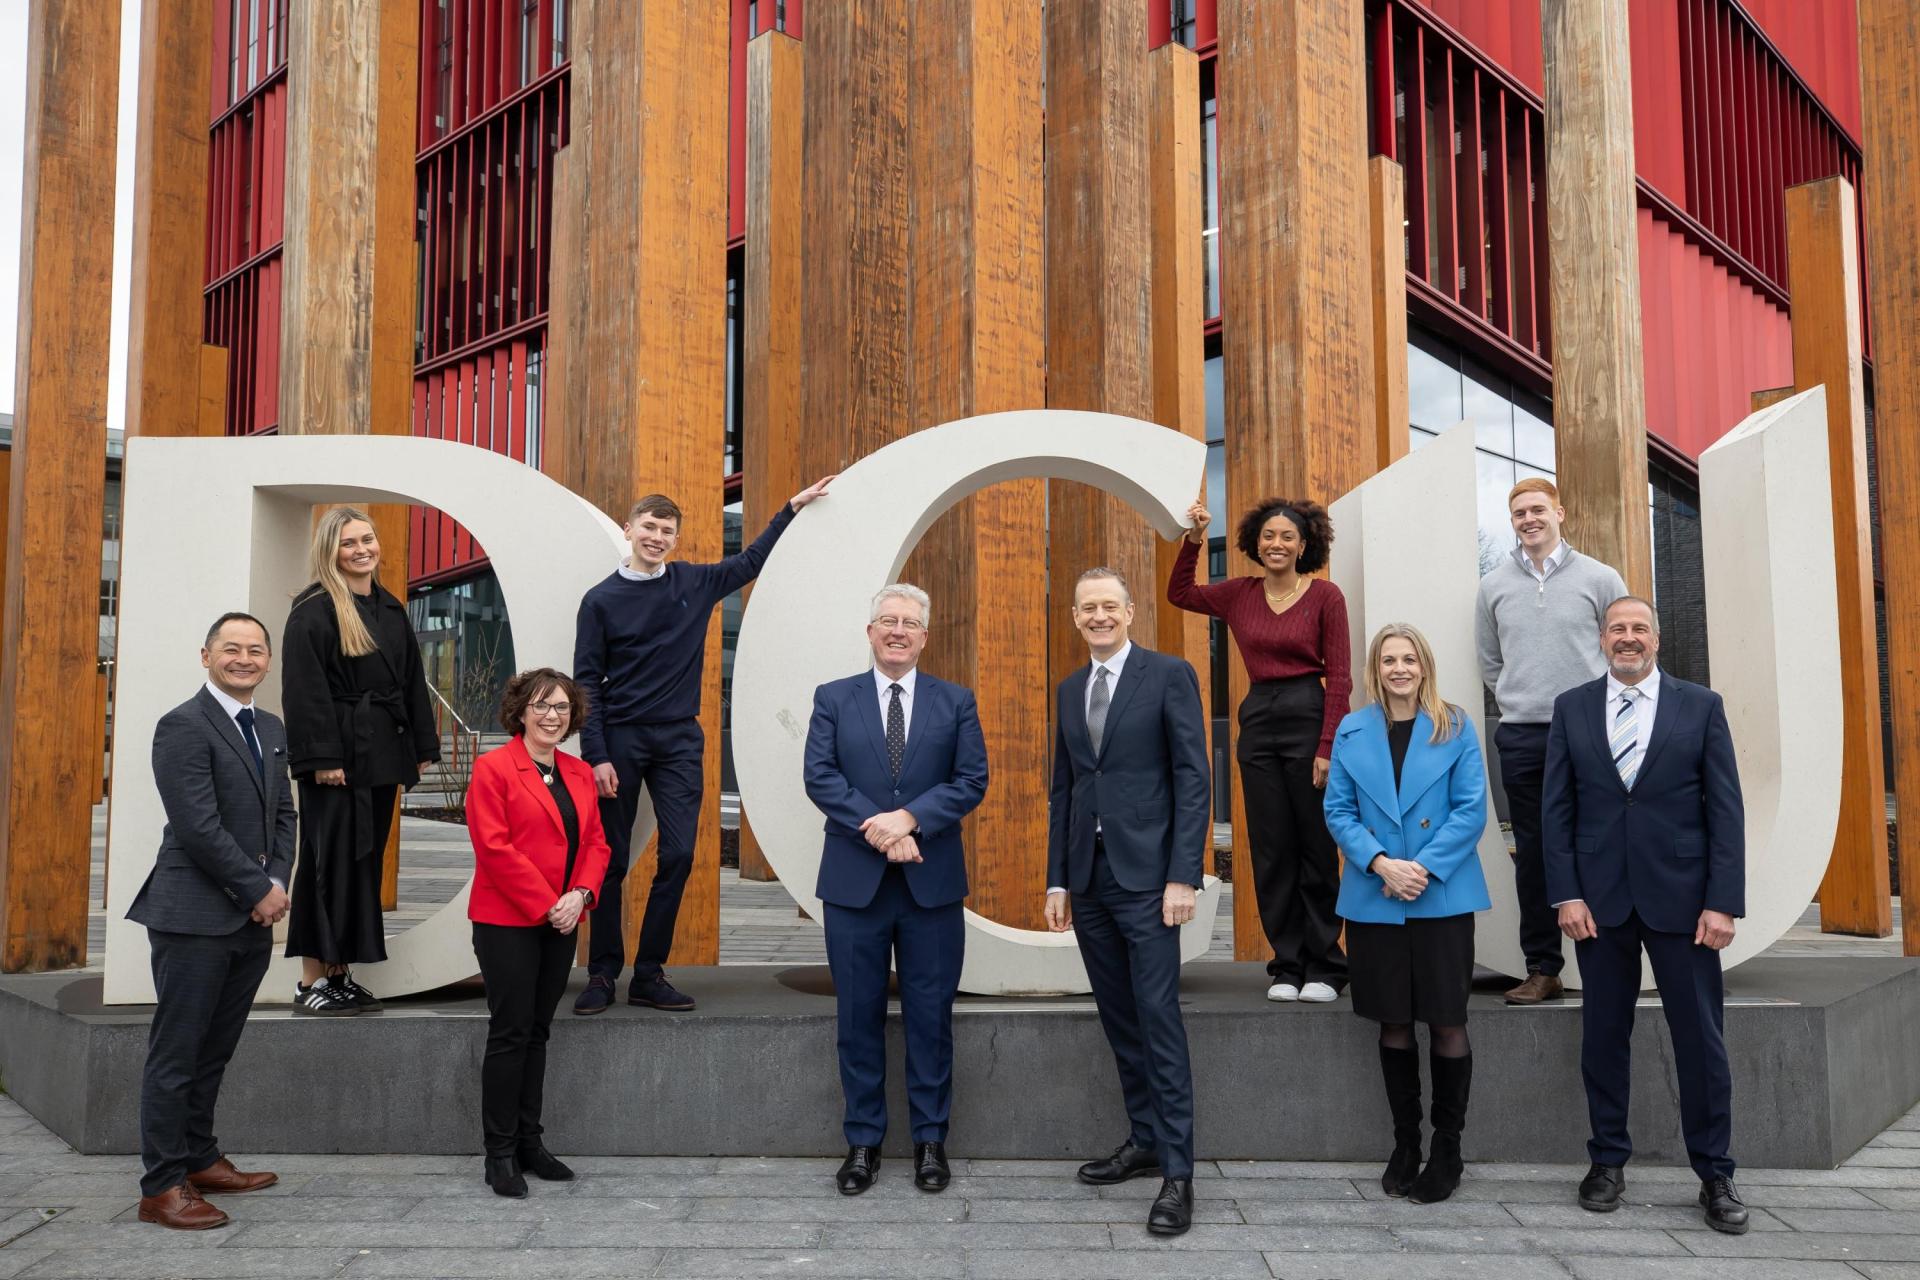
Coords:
926,944
203,987
1692,995
1133,962
1523,766
667,760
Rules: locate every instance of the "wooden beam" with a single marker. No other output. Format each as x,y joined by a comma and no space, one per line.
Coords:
771,329
975,171
1889,69
649,170
1297,358
1386,209
1099,289
1823,277
1772,395
211,405
49,653
562,322
1599,388
1176,319
168,271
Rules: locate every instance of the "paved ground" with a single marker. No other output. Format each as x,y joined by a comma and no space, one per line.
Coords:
63,1214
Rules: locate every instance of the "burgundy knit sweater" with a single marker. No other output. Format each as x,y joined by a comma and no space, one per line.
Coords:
1309,639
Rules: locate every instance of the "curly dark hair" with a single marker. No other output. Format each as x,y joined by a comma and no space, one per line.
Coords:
1311,518
528,685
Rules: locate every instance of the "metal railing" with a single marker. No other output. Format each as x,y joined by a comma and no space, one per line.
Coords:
460,746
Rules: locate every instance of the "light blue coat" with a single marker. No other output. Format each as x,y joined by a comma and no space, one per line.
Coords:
1435,817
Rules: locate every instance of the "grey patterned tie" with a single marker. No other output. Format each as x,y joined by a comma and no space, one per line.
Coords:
1097,708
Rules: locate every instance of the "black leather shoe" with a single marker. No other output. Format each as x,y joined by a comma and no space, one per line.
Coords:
930,1171
543,1164
1172,1211
858,1170
1601,1189
1725,1210
503,1175
1127,1161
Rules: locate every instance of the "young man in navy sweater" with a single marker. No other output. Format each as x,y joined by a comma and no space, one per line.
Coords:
638,651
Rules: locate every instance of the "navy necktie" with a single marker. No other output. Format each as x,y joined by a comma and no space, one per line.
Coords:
896,731
245,721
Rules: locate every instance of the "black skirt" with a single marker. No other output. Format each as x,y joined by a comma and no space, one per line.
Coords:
1420,971
336,915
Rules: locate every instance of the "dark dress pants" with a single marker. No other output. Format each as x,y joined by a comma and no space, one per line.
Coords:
1523,765
525,968
203,987
927,944
1133,964
1692,996
1296,865
668,760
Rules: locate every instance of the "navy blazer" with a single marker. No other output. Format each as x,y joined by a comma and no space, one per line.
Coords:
943,778
1670,848
1147,788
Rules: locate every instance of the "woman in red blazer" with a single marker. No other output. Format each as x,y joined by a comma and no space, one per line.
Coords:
538,855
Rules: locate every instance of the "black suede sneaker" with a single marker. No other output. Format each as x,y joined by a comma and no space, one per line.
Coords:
323,1000
363,999
597,996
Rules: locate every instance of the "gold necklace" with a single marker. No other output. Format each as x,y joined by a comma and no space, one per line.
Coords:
1298,587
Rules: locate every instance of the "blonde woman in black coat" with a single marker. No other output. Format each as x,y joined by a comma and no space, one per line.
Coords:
360,726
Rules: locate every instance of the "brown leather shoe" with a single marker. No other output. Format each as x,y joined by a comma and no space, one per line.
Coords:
181,1209
222,1178
1537,987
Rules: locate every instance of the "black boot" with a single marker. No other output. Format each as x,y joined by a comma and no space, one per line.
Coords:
1400,1068
542,1163
1451,1080
503,1175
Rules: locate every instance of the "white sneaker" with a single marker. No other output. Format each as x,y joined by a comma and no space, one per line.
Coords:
1283,991
1318,993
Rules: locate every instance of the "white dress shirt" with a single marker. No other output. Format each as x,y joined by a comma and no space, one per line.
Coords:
233,707
881,681
1544,570
1643,712
627,571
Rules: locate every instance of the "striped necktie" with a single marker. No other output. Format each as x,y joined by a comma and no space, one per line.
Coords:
1625,739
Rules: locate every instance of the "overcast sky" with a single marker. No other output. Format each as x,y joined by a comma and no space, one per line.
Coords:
13,111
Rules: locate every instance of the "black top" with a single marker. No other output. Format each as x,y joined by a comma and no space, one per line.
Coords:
372,715
569,816
1399,735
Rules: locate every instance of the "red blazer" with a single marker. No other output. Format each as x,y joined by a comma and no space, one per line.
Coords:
519,844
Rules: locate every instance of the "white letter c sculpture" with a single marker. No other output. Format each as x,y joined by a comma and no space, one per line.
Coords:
805,625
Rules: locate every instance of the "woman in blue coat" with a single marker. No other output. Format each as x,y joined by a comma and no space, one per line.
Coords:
1406,801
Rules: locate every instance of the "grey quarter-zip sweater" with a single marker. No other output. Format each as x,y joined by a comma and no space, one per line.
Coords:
1539,637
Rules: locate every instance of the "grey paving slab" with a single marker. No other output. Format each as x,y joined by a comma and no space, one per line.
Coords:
1357,1238
1885,1158
65,1234
946,1207
357,1233
1633,1217
951,1236
1649,1243
413,1187
63,1187
488,1207
1204,1211
1897,1138
644,1233
1896,1221
1407,1266
1147,1263
845,1264
1374,1213
254,1208
499,1264
1894,1197
1882,1270
1295,1169
1841,1246
18,1257
195,1264
1258,1189
1614,1268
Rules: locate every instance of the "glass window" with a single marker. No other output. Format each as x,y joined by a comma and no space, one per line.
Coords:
1185,22
1217,484
1216,400
1484,403
1532,430
1433,387
536,390
730,460
1497,478
1210,196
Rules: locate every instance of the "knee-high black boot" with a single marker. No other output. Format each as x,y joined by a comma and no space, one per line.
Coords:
1400,1068
1452,1078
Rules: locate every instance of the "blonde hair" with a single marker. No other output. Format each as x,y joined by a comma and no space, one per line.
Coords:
323,565
1447,719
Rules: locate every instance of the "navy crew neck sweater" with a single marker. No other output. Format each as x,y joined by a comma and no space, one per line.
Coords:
639,648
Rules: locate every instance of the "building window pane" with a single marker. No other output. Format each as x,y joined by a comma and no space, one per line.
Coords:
1484,403
1210,196
1216,401
1497,478
1433,386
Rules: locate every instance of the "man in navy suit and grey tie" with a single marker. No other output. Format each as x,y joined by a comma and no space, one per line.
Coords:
895,759
1127,829
1645,842
216,889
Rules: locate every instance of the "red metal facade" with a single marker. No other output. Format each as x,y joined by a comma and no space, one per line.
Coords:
246,189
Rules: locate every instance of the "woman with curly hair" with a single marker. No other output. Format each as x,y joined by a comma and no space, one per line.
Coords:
1291,629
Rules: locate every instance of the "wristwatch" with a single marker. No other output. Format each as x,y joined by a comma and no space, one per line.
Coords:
585,893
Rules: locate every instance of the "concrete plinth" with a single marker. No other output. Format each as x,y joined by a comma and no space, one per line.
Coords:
1826,1053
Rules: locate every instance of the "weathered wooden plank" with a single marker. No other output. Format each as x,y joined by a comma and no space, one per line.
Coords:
1297,359
771,330
1176,318
649,144
1599,388
1823,276
211,403
169,220
1889,74
57,480
1386,208
1772,395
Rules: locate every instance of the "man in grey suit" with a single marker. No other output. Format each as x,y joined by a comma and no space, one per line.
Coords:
216,889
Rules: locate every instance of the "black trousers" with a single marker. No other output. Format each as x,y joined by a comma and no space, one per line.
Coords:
1133,965
525,969
1692,996
668,760
203,987
1523,765
1296,866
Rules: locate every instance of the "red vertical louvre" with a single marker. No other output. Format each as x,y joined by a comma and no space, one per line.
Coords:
737,116
1159,23
1446,171
1419,225
522,391
1498,227
1520,218
1206,22
1473,211
1383,78
1542,308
